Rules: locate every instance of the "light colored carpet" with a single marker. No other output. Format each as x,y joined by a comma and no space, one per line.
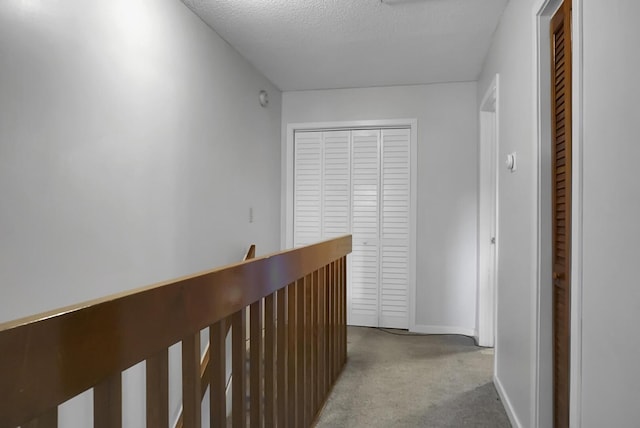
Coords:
399,380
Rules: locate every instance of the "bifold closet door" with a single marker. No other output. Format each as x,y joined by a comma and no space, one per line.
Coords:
358,182
322,193
336,175
395,204
307,200
365,227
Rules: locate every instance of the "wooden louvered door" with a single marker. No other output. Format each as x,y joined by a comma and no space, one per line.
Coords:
561,191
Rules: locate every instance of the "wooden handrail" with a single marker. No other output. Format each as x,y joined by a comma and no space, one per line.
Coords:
206,359
49,358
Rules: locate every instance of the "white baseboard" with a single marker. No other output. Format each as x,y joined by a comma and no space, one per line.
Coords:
515,422
443,329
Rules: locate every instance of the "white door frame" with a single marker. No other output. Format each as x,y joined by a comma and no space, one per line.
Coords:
287,230
542,370
488,215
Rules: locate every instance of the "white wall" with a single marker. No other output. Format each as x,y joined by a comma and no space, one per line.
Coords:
132,145
609,378
611,227
511,55
447,183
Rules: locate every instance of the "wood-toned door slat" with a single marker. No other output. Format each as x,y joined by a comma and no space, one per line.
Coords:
561,142
561,159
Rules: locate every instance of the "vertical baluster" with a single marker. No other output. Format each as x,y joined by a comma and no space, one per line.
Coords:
314,343
107,403
344,309
281,357
322,319
238,358
46,420
334,321
269,360
327,326
157,368
300,379
339,316
330,309
327,329
217,373
308,360
255,364
191,400
292,356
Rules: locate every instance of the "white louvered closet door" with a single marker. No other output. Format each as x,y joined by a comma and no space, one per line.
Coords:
365,178
395,228
336,174
307,200
358,182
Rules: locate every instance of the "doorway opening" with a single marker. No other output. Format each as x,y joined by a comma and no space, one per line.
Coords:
488,217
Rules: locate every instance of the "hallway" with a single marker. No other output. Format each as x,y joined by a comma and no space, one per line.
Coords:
395,379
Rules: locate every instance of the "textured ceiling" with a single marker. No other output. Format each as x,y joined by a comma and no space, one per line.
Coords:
322,44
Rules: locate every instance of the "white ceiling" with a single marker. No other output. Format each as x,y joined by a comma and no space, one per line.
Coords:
322,44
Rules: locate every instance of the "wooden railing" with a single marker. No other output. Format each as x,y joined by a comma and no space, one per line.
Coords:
205,365
49,358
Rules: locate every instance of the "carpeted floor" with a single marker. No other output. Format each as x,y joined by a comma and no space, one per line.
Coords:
400,380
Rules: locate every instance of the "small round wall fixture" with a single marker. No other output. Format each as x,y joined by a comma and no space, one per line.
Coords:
264,98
